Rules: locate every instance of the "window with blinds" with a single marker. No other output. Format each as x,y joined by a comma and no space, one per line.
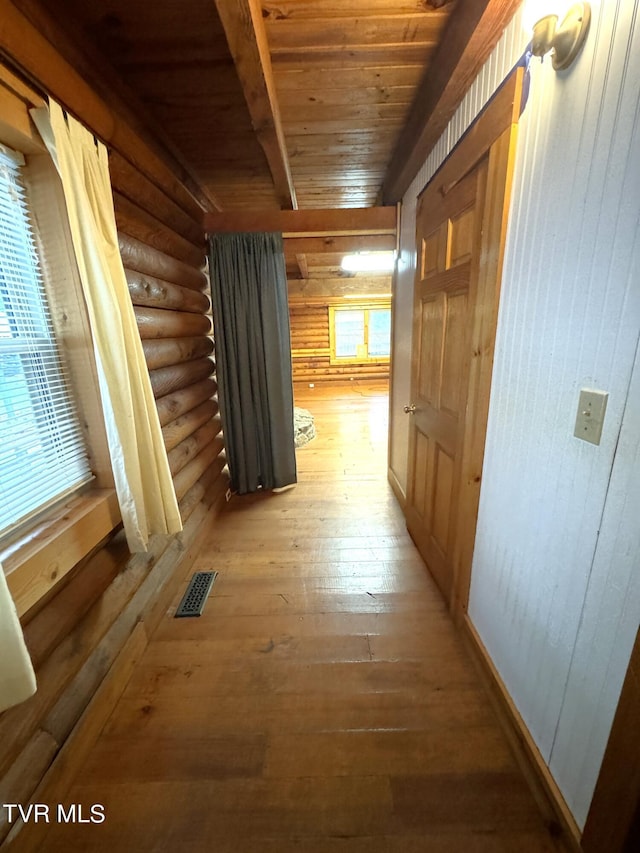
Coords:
361,333
42,452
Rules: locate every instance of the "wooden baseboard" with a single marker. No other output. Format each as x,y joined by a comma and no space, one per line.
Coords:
64,744
398,491
59,777
543,786
160,606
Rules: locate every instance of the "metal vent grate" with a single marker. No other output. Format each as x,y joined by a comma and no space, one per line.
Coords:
196,594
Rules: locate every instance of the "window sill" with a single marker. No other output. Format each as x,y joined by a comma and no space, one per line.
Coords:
39,559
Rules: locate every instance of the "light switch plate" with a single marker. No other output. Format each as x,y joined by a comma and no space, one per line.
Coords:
591,408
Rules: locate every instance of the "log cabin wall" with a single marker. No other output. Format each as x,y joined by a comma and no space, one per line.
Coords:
310,342
162,249
309,312
97,619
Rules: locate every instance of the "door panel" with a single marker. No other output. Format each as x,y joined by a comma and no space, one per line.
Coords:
460,238
453,355
433,253
419,482
460,228
443,492
443,300
431,325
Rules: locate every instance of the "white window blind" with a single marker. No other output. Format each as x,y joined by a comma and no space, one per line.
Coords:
350,333
42,453
361,333
379,332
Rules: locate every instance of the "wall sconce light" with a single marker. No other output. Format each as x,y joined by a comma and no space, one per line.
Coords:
564,39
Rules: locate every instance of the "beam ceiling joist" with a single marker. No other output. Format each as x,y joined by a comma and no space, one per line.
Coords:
303,266
246,36
471,34
339,245
342,221
320,289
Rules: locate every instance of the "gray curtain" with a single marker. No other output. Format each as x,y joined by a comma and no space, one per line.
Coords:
253,358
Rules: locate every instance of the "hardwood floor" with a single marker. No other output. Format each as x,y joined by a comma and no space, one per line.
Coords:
324,702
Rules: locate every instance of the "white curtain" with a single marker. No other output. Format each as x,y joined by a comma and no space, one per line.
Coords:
17,679
141,471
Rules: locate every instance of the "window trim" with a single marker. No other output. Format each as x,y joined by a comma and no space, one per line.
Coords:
46,552
366,306
37,557
39,403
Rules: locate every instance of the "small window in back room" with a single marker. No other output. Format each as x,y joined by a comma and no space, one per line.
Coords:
42,452
360,333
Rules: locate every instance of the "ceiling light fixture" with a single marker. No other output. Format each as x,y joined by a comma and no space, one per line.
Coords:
565,39
369,262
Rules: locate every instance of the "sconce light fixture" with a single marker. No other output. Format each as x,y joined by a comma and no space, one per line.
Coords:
564,39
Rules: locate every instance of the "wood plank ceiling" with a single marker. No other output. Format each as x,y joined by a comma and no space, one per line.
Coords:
280,104
344,74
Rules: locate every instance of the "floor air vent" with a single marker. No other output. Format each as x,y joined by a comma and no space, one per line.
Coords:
196,594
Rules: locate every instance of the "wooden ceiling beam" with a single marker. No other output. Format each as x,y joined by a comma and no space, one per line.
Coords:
301,261
247,40
335,222
294,246
378,286
471,35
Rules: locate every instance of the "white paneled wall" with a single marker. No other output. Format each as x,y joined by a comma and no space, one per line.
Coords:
551,598
508,52
608,623
556,577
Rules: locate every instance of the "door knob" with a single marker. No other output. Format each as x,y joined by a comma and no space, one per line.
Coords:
410,409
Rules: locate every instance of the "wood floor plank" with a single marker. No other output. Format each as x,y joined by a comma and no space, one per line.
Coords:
364,539
318,501
486,799
323,702
195,680
283,649
387,752
290,811
77,841
317,625
302,556
291,712
233,583
258,603
208,812
286,649
171,758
